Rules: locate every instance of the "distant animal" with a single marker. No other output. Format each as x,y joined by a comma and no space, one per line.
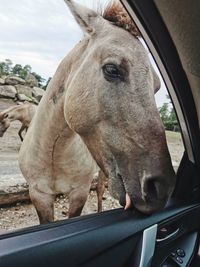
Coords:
99,111
100,189
23,113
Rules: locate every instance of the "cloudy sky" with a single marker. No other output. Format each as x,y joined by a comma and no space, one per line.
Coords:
40,33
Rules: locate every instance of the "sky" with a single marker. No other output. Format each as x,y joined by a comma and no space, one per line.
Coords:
40,33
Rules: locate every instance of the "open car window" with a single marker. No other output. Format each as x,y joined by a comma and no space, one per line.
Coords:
16,209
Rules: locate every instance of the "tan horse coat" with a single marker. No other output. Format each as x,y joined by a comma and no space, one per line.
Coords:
53,158
99,105
23,113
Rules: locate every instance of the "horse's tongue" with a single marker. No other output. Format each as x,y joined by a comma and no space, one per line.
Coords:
128,202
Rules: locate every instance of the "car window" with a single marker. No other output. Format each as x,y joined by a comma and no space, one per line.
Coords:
23,83
172,127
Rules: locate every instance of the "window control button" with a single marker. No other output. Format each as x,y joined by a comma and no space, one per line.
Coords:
173,254
179,260
180,252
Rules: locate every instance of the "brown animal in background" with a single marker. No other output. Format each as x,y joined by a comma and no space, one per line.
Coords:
100,189
23,113
99,108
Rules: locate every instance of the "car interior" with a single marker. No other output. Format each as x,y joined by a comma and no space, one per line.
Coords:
118,238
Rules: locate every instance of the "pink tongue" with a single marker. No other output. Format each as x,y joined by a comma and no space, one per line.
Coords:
128,202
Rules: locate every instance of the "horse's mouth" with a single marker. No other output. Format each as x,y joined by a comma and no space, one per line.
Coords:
129,203
147,206
125,199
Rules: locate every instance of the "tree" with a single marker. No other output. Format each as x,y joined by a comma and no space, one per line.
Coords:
39,78
27,68
173,123
2,68
48,81
5,67
19,70
168,117
8,65
164,112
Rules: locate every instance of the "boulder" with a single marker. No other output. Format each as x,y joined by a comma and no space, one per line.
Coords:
35,101
25,90
38,93
7,91
22,97
31,80
14,80
2,81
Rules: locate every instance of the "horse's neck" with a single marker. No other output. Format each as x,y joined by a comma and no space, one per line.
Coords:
50,113
49,134
8,110
13,113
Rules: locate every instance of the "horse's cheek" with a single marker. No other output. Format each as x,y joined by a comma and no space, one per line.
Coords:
78,113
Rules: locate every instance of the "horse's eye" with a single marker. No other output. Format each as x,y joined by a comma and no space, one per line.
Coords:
112,72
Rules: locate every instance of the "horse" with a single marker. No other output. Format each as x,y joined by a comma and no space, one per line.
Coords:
99,112
23,113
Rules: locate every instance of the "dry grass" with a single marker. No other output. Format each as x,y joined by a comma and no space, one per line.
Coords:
176,147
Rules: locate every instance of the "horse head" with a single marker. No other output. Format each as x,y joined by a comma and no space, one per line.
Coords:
4,123
110,103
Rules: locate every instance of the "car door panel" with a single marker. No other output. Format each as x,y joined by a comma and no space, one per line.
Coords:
169,254
177,233
115,237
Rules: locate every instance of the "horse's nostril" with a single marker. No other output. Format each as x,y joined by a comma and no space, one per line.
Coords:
152,190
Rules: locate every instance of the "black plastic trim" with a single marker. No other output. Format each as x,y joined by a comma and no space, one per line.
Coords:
64,238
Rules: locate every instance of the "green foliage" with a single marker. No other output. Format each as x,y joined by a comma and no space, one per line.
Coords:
164,112
20,71
39,78
169,118
7,68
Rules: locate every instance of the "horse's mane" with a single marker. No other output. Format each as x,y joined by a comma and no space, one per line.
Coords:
116,13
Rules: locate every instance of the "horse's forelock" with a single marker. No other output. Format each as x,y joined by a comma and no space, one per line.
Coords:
116,13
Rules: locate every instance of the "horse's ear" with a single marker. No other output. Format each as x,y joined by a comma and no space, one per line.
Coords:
85,17
156,81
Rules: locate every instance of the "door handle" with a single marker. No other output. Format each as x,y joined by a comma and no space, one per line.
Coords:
168,236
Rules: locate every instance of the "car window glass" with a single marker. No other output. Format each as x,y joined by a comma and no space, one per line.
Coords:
170,122
22,84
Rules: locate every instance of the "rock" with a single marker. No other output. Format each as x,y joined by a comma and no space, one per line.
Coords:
31,80
25,90
22,97
7,91
14,80
35,101
2,81
14,197
38,93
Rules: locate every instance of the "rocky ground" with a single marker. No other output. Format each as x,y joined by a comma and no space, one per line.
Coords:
23,215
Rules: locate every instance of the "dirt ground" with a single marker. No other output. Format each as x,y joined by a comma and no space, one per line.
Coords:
24,215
